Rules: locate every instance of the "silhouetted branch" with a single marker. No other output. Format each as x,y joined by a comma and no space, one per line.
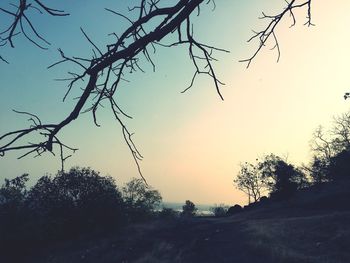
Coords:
269,32
320,144
14,140
21,23
107,68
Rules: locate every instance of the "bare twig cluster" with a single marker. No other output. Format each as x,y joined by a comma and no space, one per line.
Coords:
326,144
269,32
21,23
36,126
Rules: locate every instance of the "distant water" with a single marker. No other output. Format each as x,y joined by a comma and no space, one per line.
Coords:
202,209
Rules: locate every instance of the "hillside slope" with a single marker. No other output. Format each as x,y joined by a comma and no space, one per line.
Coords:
313,226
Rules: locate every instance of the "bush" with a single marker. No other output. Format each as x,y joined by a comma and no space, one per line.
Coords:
62,207
168,213
67,206
13,215
141,200
234,210
219,210
282,178
189,209
76,202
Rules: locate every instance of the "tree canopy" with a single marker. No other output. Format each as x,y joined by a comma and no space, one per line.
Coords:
272,175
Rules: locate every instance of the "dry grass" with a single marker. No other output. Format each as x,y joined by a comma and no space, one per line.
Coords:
314,239
162,252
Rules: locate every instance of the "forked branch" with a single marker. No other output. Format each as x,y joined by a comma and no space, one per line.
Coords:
269,32
20,17
107,69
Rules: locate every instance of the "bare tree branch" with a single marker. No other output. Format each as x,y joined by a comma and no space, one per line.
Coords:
269,32
124,54
106,69
21,23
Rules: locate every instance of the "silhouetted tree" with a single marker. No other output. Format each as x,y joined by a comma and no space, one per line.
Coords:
329,146
189,209
250,181
65,206
13,192
12,209
140,199
103,72
76,201
281,178
270,175
168,213
219,210
319,170
13,218
234,210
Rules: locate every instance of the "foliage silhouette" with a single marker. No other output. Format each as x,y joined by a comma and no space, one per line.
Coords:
219,210
140,199
13,214
234,210
250,181
281,178
189,209
67,206
330,149
168,213
75,202
271,175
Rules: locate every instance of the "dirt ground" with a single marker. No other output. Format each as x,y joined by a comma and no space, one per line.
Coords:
245,238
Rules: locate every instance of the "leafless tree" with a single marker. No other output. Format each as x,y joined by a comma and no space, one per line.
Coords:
105,70
321,145
250,181
341,132
326,144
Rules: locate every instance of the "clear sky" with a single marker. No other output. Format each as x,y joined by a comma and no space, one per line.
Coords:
192,143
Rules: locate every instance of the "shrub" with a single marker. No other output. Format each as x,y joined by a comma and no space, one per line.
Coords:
234,210
13,215
141,200
168,213
188,209
76,202
219,210
282,178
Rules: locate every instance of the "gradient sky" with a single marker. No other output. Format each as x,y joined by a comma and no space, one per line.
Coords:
192,143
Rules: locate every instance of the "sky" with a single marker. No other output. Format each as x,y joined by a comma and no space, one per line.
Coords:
192,143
